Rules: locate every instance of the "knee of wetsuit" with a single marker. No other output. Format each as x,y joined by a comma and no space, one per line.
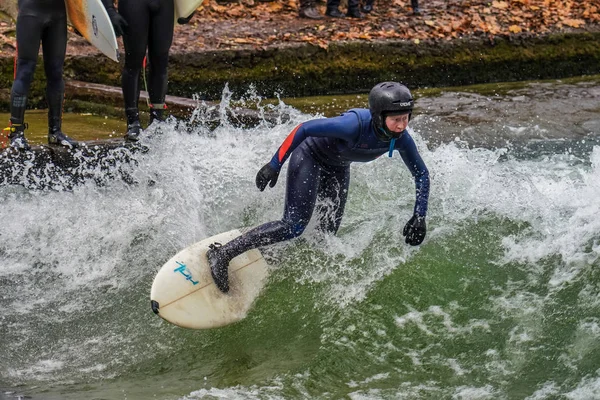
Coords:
297,229
133,64
55,88
24,75
54,71
159,63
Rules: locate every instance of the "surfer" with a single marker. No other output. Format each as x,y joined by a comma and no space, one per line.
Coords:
38,22
320,153
150,25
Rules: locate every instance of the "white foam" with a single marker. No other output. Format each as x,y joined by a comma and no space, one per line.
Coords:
548,390
588,388
62,248
476,393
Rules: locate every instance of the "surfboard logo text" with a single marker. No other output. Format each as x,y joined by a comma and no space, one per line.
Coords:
182,269
94,25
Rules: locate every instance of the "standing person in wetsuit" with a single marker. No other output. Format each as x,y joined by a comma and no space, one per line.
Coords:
150,25
321,152
38,21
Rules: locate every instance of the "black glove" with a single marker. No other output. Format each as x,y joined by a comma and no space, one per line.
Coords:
415,230
119,23
267,174
183,21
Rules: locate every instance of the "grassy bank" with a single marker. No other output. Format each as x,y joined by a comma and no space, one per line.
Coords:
305,70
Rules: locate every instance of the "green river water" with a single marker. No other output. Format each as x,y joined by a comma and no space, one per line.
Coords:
501,301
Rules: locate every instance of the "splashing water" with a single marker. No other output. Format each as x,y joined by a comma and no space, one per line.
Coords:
501,301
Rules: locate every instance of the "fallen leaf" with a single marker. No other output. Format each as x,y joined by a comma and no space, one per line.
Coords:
243,41
515,29
573,23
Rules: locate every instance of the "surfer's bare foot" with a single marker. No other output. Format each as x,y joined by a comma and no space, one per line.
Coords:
219,264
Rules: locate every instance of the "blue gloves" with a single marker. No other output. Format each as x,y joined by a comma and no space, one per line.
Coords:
267,174
415,230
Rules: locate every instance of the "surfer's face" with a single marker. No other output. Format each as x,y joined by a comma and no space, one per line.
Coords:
397,123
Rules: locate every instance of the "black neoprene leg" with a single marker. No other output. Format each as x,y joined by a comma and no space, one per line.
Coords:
137,15
160,38
54,45
29,35
301,194
333,193
353,6
333,5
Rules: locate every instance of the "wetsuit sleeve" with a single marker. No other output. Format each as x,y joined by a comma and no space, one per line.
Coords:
109,5
345,127
416,166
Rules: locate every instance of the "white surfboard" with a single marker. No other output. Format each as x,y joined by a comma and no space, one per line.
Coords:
90,19
185,294
184,8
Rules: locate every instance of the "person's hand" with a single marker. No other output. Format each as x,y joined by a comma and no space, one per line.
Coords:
119,23
267,174
415,230
183,21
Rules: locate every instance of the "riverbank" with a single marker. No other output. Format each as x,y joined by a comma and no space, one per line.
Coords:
265,47
464,112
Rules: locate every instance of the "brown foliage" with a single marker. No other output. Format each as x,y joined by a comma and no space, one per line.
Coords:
259,24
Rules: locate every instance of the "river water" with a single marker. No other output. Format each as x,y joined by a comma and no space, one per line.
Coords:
502,300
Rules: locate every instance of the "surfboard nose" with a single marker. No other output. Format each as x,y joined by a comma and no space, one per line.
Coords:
155,306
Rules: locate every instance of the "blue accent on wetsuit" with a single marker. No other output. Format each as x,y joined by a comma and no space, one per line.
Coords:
319,168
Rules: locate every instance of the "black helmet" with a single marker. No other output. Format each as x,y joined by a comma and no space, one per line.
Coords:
388,98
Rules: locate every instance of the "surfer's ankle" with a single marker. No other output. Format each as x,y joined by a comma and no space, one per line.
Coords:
134,130
219,264
157,113
57,137
16,136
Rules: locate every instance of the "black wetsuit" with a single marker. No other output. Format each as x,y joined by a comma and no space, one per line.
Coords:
42,21
150,26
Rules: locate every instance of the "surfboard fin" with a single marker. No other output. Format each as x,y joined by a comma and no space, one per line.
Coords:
155,306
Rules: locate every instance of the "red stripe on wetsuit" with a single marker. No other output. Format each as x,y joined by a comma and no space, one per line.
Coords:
287,143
